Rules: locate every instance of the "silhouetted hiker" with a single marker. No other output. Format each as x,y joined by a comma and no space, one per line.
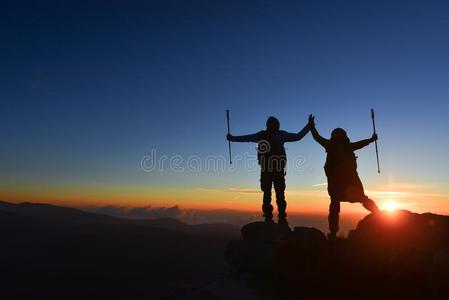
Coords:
272,160
343,182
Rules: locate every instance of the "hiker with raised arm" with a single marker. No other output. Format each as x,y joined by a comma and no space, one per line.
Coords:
343,182
272,160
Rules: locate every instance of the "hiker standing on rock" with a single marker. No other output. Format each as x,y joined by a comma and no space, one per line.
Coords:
272,160
343,182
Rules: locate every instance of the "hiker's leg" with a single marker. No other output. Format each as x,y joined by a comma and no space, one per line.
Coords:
370,205
334,211
279,188
265,185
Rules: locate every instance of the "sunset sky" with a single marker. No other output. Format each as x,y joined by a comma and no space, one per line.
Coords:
123,102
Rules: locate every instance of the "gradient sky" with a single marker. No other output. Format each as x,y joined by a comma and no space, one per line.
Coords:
88,88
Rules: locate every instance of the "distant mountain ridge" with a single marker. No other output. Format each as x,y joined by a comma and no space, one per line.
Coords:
52,252
70,217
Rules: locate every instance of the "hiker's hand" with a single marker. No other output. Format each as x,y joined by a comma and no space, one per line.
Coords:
311,120
374,137
228,137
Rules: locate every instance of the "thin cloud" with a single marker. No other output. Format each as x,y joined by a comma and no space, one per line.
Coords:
145,212
384,193
243,190
205,190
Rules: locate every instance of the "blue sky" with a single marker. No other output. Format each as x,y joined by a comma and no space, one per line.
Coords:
90,87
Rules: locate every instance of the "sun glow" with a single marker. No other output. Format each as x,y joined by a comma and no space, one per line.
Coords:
390,206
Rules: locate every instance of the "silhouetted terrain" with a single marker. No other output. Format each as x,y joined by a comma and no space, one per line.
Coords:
50,252
399,255
56,252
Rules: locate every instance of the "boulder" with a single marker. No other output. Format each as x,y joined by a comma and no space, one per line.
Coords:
265,232
264,244
402,230
308,237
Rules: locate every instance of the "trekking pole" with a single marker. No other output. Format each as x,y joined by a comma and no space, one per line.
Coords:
229,132
375,142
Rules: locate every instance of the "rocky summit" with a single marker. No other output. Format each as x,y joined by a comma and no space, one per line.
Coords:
390,255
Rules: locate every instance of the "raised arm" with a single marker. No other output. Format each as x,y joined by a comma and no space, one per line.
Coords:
293,137
316,136
245,138
363,143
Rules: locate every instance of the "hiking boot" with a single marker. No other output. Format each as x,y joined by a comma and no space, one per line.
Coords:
332,237
283,222
269,219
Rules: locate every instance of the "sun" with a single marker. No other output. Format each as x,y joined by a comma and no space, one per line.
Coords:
390,206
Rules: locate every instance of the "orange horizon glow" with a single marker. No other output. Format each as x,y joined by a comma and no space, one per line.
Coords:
300,200
390,206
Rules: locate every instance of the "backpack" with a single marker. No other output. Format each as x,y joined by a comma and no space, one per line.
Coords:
271,151
340,160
